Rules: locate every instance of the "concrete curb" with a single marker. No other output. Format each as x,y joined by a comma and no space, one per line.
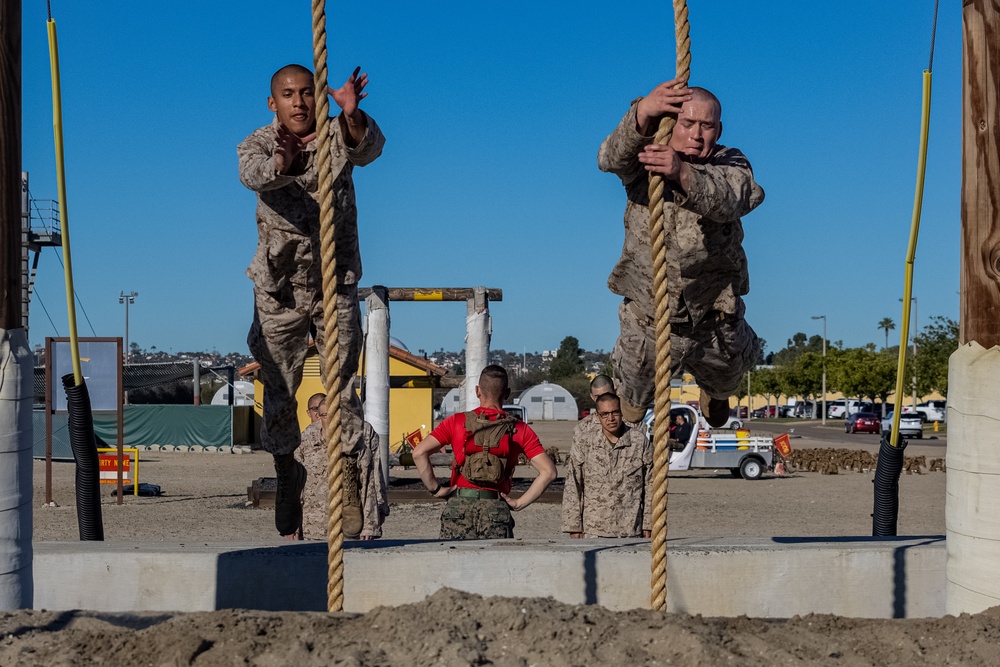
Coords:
765,577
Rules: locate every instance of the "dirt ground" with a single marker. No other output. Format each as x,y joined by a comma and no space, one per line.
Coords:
205,498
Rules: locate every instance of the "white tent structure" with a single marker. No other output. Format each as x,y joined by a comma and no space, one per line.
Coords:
451,403
547,401
243,396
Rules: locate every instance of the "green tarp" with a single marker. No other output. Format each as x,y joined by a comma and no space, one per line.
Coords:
206,425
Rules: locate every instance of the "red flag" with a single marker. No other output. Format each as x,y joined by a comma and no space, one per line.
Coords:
783,443
413,439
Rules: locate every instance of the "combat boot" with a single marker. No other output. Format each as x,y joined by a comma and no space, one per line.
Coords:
288,500
352,515
715,410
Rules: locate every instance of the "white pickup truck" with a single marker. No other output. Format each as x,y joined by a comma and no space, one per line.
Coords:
929,411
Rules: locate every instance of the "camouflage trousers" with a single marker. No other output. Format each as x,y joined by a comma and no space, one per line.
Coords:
476,519
717,352
316,497
278,340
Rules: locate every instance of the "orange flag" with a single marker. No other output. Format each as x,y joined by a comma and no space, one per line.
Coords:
413,439
783,443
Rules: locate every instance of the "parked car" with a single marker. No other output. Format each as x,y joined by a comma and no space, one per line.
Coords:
910,425
786,410
803,410
841,408
932,411
863,422
761,413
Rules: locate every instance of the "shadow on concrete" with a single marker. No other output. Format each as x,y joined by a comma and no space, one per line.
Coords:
590,568
899,591
271,578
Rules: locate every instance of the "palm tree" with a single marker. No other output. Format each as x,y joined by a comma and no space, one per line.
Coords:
886,324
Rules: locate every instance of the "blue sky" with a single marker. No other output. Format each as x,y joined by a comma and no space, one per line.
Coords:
493,115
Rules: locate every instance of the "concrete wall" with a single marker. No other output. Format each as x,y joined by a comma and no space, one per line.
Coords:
777,578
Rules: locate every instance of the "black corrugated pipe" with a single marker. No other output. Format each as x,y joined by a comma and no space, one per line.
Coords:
887,470
88,469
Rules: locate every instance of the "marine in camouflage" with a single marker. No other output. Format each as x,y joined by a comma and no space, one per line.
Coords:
476,519
705,264
365,505
608,485
287,277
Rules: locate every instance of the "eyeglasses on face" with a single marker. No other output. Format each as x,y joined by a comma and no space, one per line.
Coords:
608,415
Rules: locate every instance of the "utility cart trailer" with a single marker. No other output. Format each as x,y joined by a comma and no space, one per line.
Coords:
743,455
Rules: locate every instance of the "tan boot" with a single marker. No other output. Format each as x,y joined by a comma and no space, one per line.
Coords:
631,413
715,410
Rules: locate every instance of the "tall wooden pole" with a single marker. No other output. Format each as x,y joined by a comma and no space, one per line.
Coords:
980,273
972,503
10,164
15,359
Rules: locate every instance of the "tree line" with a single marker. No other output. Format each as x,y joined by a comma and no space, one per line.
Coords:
859,372
796,371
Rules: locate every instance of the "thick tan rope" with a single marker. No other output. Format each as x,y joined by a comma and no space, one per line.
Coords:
661,298
331,347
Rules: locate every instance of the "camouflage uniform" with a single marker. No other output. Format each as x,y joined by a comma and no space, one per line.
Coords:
608,485
476,519
589,423
286,272
706,269
364,499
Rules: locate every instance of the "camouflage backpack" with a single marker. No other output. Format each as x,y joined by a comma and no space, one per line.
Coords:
485,467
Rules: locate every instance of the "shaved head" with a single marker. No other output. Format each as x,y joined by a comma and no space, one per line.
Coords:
493,382
287,69
704,94
601,384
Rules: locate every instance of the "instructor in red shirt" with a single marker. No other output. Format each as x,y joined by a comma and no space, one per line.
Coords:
486,443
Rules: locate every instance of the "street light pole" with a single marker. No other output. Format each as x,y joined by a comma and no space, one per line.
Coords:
127,299
823,317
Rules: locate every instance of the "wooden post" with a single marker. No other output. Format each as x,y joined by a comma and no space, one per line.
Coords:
972,499
10,165
980,273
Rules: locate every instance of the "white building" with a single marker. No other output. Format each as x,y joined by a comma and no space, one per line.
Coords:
547,401
451,403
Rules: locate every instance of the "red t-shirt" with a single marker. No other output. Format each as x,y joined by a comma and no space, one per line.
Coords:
452,432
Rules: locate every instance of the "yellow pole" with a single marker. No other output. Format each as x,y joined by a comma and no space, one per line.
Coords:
911,251
63,207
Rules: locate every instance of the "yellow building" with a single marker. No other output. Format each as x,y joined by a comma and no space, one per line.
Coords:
412,380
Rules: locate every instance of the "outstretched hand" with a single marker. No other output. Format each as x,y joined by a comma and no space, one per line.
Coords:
287,147
666,98
351,93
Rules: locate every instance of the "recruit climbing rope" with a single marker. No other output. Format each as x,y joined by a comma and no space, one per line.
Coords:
658,228
331,346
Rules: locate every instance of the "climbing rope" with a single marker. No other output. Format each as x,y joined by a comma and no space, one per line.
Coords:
661,298
328,248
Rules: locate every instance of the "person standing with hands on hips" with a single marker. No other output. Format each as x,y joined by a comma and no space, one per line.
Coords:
486,443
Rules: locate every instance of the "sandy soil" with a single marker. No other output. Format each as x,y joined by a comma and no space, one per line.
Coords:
205,498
